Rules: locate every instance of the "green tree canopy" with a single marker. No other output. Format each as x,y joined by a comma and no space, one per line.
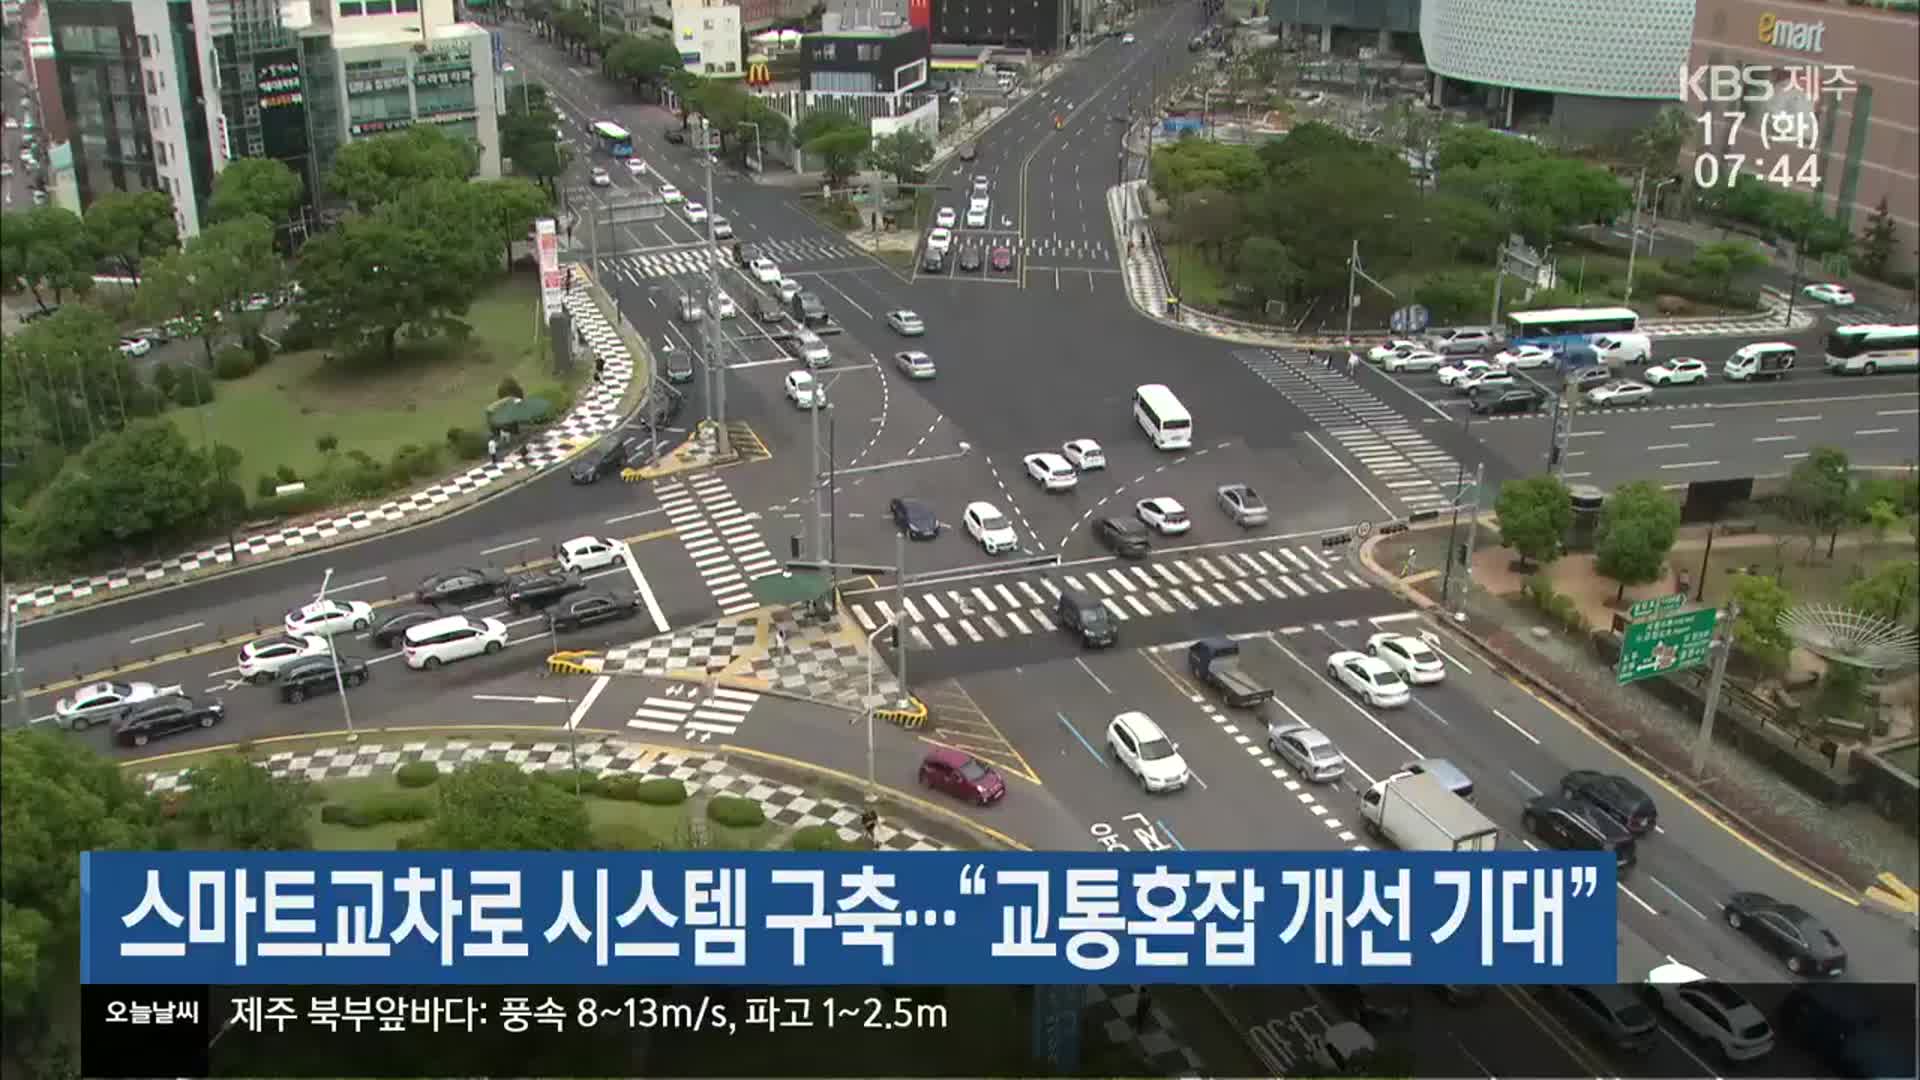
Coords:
370,172
238,805
68,373
256,187
494,806
46,249
642,59
1890,591
130,490
1535,514
527,135
1637,529
904,155
132,227
840,150
1190,165
1757,628
508,207
208,280
1819,495
1265,269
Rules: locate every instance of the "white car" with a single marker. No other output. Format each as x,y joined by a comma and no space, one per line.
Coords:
1486,378
636,166
977,217
990,528
1308,749
905,323
940,240
786,288
99,702
1126,39
670,194
1712,1011
584,553
1524,357
1413,659
1163,515
1146,752
1052,472
722,228
723,306
1829,293
1369,677
696,212
6,168
135,346
804,390
455,637
947,217
1622,392
1453,373
980,185
914,364
323,617
764,271
1397,347
1418,360
1677,372
263,658
601,178
1085,454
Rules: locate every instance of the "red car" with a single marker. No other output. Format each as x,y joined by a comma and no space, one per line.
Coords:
963,776
1002,259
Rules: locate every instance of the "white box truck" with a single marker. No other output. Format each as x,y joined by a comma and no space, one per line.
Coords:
1417,812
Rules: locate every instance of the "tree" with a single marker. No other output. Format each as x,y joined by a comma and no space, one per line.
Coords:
1637,529
509,207
131,489
1757,628
58,798
1197,164
1210,219
1657,146
47,250
257,187
840,150
903,155
240,806
211,277
1535,514
1819,495
642,59
1458,297
369,172
527,136
494,806
130,227
68,373
1877,240
1720,264
1889,592
1266,269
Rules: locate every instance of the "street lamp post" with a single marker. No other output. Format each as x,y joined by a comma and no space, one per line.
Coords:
339,680
873,793
759,161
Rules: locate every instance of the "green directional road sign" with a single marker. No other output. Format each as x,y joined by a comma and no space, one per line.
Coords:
1666,643
1657,605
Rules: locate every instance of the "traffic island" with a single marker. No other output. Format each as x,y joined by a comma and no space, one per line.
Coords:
701,450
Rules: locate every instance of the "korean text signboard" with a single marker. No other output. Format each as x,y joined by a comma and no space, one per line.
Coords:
553,282
1665,644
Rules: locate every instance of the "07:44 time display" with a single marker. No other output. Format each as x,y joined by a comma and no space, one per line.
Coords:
1711,170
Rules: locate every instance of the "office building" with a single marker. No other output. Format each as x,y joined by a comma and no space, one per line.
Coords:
1387,27
1853,72
1043,26
866,47
709,38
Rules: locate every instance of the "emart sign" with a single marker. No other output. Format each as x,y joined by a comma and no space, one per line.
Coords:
1806,37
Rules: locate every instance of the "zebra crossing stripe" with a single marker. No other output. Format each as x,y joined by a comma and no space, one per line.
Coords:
1019,623
1115,610
1183,599
1205,596
946,635
1006,594
866,620
972,634
993,624
1137,606
985,601
933,604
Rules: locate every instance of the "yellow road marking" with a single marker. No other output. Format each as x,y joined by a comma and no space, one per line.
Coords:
953,687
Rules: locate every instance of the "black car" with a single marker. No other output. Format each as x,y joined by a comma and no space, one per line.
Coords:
744,254
676,136
1615,796
970,260
388,632
591,609
620,450
460,586
165,716
933,262
1611,1013
303,679
1124,537
1572,825
915,518
540,589
1788,931
1522,400
680,366
769,309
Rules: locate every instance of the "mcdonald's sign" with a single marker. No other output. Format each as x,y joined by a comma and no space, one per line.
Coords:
759,73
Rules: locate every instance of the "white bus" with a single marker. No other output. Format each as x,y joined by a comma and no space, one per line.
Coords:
1557,328
613,138
1162,417
1865,349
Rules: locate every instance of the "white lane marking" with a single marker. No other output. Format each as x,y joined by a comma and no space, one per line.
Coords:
165,633
1524,733
357,585
509,547
635,514
1524,782
1083,667
1681,900
1695,464
1876,431
1683,427
586,703
646,591
1774,438
1670,446
1651,910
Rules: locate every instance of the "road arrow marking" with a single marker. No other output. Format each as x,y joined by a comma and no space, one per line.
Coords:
540,699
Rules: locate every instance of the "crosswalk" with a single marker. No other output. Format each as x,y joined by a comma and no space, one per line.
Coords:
719,537
693,258
698,715
978,610
1405,462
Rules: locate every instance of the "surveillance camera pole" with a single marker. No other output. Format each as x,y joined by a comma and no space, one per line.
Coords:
1722,651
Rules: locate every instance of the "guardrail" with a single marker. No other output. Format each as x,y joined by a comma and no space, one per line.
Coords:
572,662
909,716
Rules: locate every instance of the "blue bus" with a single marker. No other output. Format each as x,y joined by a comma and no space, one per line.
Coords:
613,138
1559,328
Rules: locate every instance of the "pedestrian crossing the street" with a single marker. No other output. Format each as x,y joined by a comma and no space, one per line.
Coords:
693,258
1419,474
719,537
973,611
692,712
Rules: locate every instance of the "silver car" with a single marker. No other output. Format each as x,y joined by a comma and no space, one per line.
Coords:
1308,749
1243,504
97,703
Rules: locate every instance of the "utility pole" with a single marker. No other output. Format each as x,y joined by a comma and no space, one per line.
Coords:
1499,279
1722,651
816,474
1633,229
900,605
1473,526
1353,270
723,443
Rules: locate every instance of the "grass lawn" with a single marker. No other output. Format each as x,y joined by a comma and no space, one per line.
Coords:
1822,581
1194,279
274,415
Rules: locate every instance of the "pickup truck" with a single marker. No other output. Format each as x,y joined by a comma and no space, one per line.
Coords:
1216,662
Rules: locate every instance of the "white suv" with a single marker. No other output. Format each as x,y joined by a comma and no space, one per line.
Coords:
455,637
1147,753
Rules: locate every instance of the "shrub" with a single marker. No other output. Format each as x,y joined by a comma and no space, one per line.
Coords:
661,791
235,363
191,386
624,788
355,476
262,350
263,487
619,837
566,779
467,445
286,475
412,462
165,378
509,388
735,812
344,814
414,841
298,336
817,838
559,401
388,807
416,774
293,504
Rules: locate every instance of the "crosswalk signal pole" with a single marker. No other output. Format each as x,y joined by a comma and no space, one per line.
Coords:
723,444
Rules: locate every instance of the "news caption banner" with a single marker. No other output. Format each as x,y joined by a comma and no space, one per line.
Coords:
290,942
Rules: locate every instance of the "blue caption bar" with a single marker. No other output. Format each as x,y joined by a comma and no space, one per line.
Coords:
225,918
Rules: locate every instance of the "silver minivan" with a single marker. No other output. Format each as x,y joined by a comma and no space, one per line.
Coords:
1463,342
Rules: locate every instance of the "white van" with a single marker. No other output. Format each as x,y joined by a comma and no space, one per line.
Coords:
1162,417
1760,360
1621,348
455,637
812,349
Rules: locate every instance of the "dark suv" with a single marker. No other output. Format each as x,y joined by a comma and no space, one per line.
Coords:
620,450
1086,616
1522,400
539,589
1573,825
1615,796
459,586
592,609
1122,536
165,716
744,254
303,679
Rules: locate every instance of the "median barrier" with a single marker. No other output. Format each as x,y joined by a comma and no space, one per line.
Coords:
574,662
909,716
